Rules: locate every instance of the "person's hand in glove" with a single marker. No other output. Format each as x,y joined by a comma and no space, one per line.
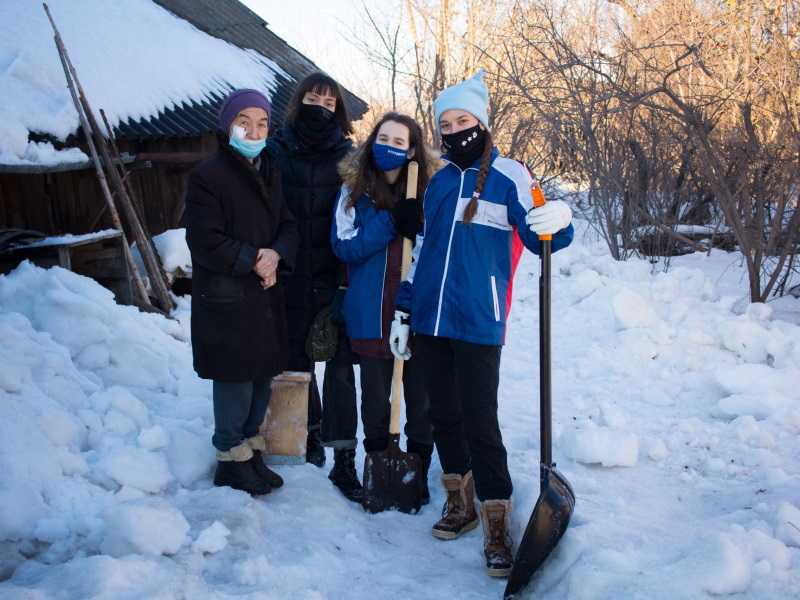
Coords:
549,218
398,335
407,217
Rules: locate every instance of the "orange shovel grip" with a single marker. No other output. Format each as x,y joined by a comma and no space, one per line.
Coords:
537,196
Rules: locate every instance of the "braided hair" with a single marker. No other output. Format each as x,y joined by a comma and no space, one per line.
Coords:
472,207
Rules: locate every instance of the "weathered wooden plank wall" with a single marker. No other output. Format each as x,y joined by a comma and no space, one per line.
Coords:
71,201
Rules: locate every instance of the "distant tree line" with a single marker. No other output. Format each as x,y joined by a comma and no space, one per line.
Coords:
679,120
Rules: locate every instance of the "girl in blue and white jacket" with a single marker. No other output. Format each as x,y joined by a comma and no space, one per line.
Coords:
458,294
372,217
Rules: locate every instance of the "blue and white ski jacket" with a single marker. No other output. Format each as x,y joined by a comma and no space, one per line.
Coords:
360,237
460,281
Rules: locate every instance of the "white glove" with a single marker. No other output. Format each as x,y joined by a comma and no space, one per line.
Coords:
550,218
398,335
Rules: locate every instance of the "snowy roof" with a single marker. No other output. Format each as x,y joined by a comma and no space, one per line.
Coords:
154,73
233,22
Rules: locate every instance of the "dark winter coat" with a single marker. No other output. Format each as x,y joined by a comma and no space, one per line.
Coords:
310,187
232,210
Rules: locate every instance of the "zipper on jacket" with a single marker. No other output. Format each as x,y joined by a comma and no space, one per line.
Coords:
494,299
447,257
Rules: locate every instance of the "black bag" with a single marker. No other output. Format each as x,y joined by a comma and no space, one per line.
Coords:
323,336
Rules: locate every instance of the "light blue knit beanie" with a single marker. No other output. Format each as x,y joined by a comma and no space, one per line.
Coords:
470,95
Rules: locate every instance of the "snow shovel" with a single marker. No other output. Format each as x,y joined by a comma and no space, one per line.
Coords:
556,501
392,477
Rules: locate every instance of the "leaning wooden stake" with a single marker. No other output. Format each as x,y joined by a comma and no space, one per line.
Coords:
150,261
125,178
139,291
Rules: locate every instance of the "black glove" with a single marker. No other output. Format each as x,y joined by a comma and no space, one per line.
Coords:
407,217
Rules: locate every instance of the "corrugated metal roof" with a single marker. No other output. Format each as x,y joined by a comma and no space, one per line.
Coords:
233,22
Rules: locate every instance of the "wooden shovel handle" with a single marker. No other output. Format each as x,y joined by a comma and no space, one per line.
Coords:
397,373
537,196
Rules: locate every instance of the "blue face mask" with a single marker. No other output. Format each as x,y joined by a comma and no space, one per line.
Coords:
388,158
245,147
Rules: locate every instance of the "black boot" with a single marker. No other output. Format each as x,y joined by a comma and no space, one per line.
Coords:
315,453
259,446
271,477
425,452
235,470
344,476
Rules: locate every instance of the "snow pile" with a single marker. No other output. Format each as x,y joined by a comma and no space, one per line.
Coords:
92,426
110,45
173,251
34,153
212,539
71,238
602,445
130,528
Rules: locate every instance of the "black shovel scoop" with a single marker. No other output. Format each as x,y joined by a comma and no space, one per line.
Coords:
556,501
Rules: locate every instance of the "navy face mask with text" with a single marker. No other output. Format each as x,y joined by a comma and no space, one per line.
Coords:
388,158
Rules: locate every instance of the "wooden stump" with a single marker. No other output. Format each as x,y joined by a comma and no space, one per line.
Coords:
285,426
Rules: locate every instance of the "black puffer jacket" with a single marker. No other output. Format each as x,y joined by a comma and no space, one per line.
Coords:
238,328
310,186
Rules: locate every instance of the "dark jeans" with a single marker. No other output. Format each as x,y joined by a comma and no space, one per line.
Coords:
239,410
339,412
376,388
461,379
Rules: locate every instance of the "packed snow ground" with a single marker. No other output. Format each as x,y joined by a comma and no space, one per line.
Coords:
676,408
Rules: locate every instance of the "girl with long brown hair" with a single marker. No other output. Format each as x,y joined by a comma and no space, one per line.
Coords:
372,216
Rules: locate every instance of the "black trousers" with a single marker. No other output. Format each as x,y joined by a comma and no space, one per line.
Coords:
376,388
338,411
239,410
461,379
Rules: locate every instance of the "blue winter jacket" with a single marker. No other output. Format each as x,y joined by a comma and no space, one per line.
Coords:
459,284
360,237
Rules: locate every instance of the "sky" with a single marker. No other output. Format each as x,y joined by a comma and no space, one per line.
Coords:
323,31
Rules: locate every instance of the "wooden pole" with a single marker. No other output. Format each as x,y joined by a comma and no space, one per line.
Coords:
140,293
138,205
163,299
397,370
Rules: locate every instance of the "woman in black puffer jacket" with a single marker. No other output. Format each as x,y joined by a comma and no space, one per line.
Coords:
306,150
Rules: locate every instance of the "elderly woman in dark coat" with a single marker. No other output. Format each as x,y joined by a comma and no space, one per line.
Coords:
242,237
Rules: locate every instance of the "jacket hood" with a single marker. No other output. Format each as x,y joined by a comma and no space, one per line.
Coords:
348,166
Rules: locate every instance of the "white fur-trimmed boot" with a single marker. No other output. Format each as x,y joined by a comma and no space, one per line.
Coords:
497,543
235,469
259,446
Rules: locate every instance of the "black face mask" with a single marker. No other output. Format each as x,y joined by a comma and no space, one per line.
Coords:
315,116
466,146
316,126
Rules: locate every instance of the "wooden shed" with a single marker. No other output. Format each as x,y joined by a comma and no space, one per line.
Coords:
158,151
